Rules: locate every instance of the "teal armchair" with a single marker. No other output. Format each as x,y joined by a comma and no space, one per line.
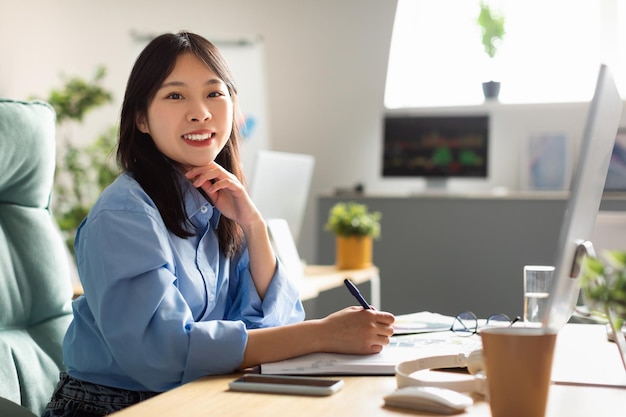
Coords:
35,284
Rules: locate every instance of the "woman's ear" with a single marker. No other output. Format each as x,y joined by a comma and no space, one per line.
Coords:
142,123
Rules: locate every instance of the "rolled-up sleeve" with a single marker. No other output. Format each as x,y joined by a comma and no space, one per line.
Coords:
281,304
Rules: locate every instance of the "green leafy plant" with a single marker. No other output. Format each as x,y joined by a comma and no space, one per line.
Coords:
353,219
603,284
492,28
82,172
78,97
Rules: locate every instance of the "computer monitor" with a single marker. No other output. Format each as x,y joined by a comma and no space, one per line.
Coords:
584,199
279,186
435,148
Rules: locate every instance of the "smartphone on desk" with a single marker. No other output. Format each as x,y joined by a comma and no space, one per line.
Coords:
283,384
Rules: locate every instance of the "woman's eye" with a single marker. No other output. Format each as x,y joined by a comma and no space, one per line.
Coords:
174,96
216,94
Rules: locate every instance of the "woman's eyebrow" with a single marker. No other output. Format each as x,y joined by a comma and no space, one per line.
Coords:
175,83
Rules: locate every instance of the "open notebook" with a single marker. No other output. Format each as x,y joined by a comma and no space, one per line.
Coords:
402,348
431,338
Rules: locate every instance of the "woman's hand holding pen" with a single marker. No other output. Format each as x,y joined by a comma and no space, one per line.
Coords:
356,331
352,330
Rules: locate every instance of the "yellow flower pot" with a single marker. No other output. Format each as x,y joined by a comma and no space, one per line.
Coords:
353,252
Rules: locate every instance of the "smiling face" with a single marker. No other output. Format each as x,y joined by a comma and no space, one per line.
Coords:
190,118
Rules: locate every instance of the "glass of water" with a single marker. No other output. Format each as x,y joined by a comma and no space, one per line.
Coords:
537,284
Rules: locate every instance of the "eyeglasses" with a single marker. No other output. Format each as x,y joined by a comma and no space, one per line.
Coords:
466,323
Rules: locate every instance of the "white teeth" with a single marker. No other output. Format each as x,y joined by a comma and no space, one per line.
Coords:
201,137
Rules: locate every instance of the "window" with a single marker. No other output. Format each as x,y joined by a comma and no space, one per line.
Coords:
550,53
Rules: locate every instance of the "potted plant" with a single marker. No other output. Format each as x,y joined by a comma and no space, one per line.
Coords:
492,33
355,229
603,285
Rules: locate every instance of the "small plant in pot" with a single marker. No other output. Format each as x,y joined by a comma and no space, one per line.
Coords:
603,285
355,228
492,33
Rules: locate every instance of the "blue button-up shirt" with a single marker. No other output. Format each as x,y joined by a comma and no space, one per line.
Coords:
159,310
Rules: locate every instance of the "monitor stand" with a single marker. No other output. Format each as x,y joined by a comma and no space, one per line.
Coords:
436,185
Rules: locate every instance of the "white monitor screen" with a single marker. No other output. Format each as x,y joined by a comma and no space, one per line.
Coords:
585,196
280,185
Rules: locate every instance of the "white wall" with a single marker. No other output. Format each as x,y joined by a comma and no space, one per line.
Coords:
325,68
326,63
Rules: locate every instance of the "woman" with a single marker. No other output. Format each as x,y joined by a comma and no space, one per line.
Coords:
178,272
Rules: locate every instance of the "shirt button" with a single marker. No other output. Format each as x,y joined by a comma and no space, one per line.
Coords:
211,298
204,209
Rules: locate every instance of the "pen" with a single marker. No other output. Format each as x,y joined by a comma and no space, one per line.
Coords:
357,294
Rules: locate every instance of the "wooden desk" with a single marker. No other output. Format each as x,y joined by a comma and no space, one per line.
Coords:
363,396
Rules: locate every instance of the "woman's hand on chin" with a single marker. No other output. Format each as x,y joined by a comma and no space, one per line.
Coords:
225,192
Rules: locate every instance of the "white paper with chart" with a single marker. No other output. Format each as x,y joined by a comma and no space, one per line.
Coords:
401,348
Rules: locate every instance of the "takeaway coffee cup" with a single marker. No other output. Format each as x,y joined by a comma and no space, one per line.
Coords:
518,366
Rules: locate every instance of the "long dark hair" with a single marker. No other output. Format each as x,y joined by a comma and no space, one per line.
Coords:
137,153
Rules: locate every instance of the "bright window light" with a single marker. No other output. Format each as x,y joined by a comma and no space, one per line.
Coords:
551,51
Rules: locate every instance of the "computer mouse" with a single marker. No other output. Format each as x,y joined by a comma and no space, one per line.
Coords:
431,399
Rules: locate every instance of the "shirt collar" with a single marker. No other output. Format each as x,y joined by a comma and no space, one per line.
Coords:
194,201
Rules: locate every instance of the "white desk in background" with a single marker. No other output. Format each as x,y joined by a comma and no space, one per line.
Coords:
318,278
